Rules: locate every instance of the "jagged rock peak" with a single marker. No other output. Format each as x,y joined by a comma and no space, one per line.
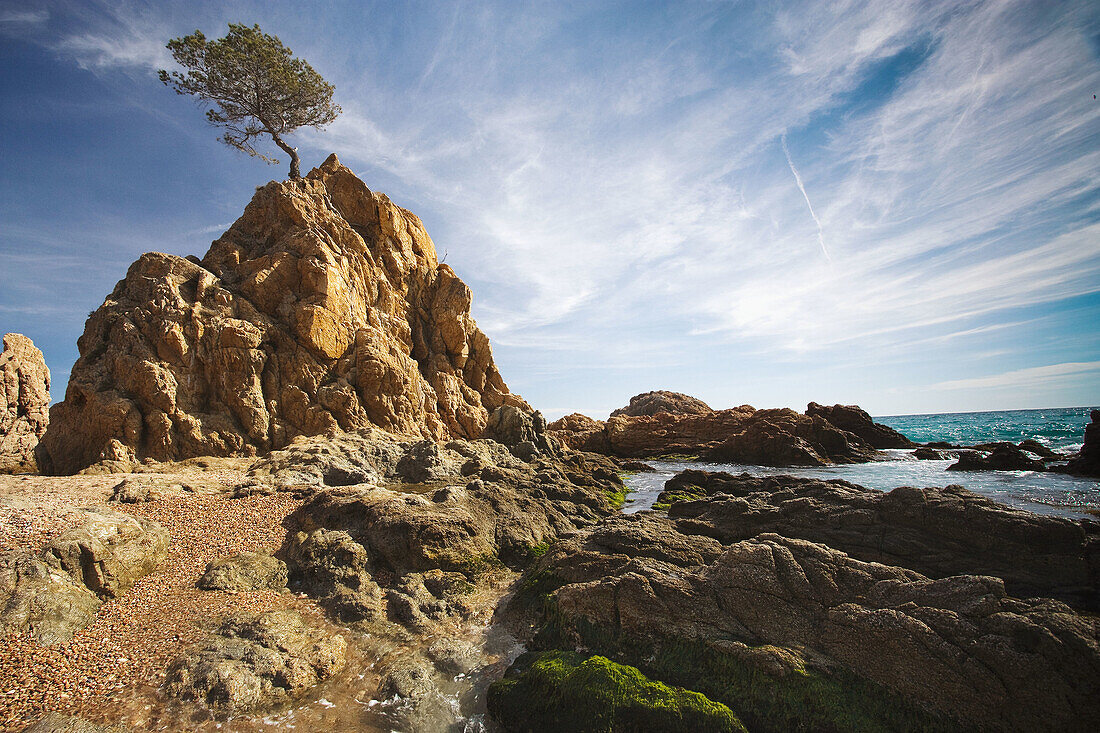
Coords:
24,403
323,308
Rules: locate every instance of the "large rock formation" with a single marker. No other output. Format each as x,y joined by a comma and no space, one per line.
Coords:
857,421
799,635
778,437
322,308
675,403
24,403
936,532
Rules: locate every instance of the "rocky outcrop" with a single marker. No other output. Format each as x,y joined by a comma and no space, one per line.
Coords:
24,403
397,529
856,421
257,664
40,599
244,571
581,432
1003,457
322,308
1087,460
786,438
674,403
775,437
794,634
936,532
110,551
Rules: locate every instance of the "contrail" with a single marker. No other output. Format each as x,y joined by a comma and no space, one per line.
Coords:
802,188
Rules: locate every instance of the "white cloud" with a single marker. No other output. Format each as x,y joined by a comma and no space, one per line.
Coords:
1033,377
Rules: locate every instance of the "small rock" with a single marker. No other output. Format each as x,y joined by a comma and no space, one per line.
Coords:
243,572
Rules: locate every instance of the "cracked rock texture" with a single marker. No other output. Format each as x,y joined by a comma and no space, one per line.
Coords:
24,403
957,646
322,308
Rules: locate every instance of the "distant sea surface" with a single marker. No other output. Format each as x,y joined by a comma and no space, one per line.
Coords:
1060,429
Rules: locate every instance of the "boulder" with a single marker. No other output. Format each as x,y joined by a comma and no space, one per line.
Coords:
924,453
581,432
856,421
797,635
650,436
783,437
674,403
244,571
1006,457
24,403
110,551
936,532
523,431
257,664
1087,460
42,600
323,308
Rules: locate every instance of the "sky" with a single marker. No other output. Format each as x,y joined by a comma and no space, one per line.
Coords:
893,204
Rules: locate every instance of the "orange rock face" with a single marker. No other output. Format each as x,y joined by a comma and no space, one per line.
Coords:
323,308
24,403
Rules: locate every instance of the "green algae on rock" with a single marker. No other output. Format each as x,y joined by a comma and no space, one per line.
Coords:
567,691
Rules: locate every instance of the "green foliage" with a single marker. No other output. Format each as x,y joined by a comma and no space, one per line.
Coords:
668,498
255,85
566,691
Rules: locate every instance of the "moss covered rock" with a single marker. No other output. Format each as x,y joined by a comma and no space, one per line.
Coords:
567,691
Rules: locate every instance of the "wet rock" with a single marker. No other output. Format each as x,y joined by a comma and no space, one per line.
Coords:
559,691
244,571
674,403
856,421
414,699
24,403
937,532
1087,460
454,656
924,453
637,467
336,570
42,600
1005,457
859,629
257,664
110,551
322,309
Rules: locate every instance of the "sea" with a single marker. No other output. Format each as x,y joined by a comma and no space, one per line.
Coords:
1061,429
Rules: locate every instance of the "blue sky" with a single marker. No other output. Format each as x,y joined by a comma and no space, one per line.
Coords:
895,204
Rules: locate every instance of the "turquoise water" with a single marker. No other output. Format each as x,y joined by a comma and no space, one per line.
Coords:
1057,428
1045,493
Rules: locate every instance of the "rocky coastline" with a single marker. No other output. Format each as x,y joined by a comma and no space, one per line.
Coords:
289,486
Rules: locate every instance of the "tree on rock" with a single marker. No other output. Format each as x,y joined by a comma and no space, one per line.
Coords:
256,85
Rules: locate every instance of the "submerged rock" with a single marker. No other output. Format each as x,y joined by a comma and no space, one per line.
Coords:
24,403
257,664
58,723
322,308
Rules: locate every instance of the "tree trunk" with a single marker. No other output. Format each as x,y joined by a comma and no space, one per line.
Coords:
295,172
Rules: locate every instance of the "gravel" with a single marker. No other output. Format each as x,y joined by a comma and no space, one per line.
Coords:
112,669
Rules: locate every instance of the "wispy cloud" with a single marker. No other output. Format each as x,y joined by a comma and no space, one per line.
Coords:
802,188
9,16
1032,377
